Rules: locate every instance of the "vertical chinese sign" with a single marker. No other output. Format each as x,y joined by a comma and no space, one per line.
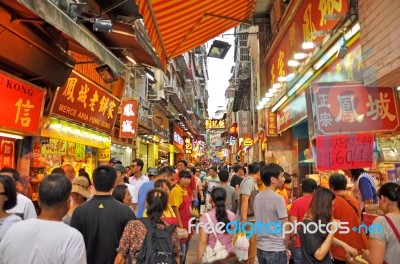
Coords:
129,119
244,122
7,152
85,102
188,145
351,107
272,123
345,151
21,104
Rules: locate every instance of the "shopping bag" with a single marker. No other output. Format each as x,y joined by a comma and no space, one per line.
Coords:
241,246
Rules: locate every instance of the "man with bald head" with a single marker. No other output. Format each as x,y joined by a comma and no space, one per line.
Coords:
69,171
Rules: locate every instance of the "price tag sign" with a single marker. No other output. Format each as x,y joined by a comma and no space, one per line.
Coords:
345,151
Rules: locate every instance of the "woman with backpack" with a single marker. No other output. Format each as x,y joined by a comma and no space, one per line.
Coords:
217,244
150,239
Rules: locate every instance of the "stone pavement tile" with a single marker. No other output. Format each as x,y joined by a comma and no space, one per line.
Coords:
192,253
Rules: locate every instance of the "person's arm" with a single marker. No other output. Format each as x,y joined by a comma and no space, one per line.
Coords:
376,251
321,252
244,206
287,235
202,244
237,187
119,259
366,190
349,250
293,220
178,216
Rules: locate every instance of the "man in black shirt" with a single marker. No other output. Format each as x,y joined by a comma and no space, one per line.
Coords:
237,177
102,219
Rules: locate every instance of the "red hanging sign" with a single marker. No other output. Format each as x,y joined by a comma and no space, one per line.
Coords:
129,119
7,152
345,151
21,103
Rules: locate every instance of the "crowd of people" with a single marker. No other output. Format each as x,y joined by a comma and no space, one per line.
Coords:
123,215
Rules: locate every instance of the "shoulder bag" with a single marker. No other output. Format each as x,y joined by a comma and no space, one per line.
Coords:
216,253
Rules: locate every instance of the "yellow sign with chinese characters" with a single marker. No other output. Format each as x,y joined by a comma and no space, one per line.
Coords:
215,124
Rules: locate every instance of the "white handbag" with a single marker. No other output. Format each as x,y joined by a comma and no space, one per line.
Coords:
216,253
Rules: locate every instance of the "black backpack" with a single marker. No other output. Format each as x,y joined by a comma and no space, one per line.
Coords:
157,246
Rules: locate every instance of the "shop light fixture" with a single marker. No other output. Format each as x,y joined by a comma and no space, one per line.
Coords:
293,63
320,33
282,79
300,82
278,104
276,85
308,45
129,56
219,49
266,99
290,77
334,16
272,90
8,135
300,56
149,74
398,88
269,94
259,107
106,73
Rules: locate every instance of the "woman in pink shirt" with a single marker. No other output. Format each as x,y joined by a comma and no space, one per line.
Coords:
219,214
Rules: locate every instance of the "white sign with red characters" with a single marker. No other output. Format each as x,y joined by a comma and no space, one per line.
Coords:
129,119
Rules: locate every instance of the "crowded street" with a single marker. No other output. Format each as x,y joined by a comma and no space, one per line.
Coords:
199,131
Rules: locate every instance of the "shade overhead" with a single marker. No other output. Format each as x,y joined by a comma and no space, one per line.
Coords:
175,27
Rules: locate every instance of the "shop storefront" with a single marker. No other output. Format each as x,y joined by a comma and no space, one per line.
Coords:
177,152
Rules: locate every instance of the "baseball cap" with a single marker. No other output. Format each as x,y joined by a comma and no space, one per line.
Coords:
119,167
80,185
152,172
115,161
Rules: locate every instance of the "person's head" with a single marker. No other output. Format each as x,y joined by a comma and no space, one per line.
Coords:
238,170
308,185
355,173
192,171
184,178
272,174
83,173
8,193
11,172
104,178
114,161
157,202
212,171
69,171
54,192
122,194
80,190
197,172
223,175
337,182
389,197
120,172
152,173
218,199
181,165
58,170
254,169
321,205
137,165
163,184
167,172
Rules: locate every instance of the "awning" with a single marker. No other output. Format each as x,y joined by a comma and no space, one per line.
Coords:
175,27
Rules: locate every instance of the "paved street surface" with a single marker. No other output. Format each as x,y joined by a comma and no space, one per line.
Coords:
192,254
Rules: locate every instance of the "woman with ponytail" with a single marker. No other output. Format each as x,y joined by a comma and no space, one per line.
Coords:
384,245
133,237
212,221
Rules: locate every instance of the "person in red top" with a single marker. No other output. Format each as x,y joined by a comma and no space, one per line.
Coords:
346,209
298,210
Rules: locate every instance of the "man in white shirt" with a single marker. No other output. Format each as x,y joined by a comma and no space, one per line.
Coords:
137,179
24,208
45,239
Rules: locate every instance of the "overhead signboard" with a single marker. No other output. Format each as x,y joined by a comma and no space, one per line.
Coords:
215,124
83,101
129,118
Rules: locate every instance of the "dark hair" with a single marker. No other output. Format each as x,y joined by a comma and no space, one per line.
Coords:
268,171
167,170
157,202
86,175
391,191
321,205
139,162
10,190
288,178
159,183
185,174
192,170
104,178
14,172
236,168
223,175
218,195
182,161
81,170
119,192
337,182
308,185
254,168
54,190
214,168
58,170
356,173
